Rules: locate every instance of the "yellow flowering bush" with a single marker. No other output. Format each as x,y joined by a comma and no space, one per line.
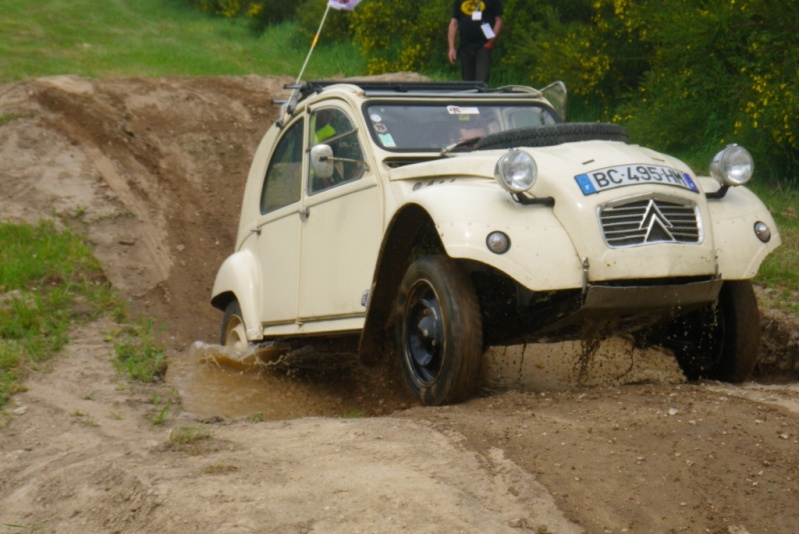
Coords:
402,36
718,73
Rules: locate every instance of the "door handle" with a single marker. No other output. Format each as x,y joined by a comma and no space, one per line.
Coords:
305,212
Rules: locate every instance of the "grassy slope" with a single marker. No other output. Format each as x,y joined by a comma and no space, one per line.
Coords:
114,38
49,281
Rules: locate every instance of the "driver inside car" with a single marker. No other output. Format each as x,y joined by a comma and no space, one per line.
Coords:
332,127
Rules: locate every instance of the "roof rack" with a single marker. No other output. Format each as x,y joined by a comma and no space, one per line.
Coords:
301,91
311,87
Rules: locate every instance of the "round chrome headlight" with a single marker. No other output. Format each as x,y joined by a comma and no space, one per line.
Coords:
516,171
732,166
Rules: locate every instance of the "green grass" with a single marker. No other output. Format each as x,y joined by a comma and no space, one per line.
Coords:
6,118
49,281
182,437
139,353
161,412
119,38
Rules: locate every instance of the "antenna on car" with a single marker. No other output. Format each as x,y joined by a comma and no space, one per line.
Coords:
287,106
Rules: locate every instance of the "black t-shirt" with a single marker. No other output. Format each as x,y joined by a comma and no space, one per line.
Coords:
472,37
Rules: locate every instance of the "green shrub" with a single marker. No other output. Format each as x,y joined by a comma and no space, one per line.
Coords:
337,27
717,73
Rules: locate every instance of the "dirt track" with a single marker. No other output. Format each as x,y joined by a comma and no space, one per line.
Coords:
151,172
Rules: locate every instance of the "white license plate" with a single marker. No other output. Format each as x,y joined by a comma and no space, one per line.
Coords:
623,175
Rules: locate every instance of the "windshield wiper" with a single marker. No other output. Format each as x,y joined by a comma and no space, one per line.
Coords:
460,144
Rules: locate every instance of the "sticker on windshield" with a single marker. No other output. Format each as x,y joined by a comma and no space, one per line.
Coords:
386,140
375,117
460,110
624,175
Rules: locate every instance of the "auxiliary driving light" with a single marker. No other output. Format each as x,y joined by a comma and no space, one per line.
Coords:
762,231
516,171
732,166
498,242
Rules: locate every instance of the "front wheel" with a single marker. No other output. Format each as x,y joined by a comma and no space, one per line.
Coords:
719,341
439,331
234,333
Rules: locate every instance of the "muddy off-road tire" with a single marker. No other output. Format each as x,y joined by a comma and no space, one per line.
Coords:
553,134
718,342
234,333
439,331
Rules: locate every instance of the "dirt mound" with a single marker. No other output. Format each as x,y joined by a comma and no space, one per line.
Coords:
150,170
778,359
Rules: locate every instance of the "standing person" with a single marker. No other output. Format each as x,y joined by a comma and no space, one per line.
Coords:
478,22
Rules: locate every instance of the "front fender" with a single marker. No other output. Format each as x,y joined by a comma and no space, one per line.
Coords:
239,277
541,256
739,251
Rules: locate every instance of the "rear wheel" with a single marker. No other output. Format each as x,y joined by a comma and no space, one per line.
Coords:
439,331
234,333
720,341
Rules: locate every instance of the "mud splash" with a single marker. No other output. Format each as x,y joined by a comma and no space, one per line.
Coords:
214,382
567,365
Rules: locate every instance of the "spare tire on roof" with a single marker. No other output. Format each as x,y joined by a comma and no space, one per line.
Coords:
553,134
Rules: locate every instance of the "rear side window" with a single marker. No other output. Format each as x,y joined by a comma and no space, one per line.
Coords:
283,180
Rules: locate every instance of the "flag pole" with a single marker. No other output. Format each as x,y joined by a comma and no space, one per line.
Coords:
287,107
313,44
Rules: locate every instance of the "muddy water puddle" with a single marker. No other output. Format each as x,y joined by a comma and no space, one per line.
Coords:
214,382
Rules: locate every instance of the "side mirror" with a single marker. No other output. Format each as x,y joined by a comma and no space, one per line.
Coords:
322,161
555,93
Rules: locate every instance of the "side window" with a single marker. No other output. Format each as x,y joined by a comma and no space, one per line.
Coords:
332,127
283,180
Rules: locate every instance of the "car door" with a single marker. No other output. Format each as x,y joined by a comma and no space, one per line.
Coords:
278,229
342,224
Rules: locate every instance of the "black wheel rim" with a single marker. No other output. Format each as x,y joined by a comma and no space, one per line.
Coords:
424,333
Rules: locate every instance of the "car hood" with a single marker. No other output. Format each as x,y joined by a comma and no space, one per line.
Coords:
555,163
577,210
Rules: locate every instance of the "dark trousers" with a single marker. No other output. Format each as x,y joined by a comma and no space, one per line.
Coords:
476,65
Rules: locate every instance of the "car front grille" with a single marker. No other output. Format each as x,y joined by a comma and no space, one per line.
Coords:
650,220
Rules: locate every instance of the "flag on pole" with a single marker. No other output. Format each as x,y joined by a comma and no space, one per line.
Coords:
340,5
346,5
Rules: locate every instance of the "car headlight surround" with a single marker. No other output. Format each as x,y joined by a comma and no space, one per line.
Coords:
732,166
516,171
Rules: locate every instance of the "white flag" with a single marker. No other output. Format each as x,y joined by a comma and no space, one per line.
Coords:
346,5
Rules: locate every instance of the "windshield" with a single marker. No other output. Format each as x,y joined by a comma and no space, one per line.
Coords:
433,126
